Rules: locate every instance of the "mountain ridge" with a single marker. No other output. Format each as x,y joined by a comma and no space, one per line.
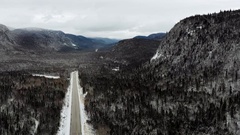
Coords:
155,36
40,40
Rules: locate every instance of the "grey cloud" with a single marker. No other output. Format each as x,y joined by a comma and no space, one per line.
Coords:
106,18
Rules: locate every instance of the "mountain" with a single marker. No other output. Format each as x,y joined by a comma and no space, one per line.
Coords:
156,36
5,41
7,44
33,39
43,40
81,42
132,52
190,86
85,43
200,57
31,47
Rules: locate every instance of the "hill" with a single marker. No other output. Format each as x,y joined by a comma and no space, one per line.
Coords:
131,53
191,85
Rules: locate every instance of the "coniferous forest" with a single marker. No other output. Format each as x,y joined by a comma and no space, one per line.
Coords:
30,104
190,88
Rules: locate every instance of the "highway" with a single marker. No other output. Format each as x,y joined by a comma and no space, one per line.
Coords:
75,127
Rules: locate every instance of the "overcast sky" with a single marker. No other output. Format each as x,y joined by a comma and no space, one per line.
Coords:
106,18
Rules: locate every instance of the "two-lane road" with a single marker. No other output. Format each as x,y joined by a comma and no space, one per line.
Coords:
75,127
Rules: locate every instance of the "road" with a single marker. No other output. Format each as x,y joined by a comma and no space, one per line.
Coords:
75,128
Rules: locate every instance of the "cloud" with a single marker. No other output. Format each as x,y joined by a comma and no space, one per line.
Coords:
106,18
53,18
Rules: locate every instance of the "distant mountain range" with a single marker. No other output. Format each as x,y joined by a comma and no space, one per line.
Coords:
156,36
36,39
28,46
85,43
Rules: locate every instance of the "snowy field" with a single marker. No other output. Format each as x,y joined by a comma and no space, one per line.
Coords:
46,76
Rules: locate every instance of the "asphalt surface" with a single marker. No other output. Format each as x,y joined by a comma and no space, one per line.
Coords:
75,128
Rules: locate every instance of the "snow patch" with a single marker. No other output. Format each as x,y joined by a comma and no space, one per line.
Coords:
74,44
85,94
156,56
96,50
116,69
190,32
36,127
199,27
64,128
46,76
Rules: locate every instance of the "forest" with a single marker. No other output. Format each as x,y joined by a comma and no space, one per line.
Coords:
30,104
135,103
191,88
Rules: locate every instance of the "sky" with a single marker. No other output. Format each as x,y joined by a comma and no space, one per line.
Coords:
106,18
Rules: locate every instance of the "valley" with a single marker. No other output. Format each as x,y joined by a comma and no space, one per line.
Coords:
184,82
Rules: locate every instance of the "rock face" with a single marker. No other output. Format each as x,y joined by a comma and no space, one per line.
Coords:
191,86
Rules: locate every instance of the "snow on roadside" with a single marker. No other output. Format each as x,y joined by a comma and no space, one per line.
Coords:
64,128
46,76
87,129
